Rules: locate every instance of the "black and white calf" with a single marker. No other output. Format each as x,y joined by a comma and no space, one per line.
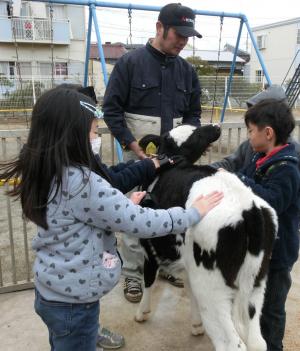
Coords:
226,255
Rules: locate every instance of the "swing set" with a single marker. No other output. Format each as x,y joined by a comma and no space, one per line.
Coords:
130,7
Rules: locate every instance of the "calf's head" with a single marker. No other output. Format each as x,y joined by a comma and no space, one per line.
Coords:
186,140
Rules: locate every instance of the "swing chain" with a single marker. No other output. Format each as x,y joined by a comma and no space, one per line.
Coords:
217,68
52,46
130,23
17,63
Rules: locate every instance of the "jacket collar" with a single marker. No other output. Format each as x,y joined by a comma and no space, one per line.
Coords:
160,56
286,154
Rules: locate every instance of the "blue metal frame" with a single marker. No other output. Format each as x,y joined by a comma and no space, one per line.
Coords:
92,15
232,70
88,48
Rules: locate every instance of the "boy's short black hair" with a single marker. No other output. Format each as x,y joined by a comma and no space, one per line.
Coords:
275,114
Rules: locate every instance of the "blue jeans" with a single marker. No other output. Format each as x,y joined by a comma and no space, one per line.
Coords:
273,313
72,327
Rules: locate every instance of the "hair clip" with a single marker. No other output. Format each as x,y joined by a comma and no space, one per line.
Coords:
97,113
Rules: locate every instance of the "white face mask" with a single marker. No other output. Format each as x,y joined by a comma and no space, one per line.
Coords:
96,145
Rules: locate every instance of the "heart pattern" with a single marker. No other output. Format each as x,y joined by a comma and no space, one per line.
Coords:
73,220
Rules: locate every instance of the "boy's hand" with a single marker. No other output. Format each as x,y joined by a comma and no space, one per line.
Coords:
137,196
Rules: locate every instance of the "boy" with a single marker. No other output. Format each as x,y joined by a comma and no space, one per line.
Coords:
273,174
244,153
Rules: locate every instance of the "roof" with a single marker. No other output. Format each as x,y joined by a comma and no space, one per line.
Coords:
211,55
111,51
133,46
231,48
277,24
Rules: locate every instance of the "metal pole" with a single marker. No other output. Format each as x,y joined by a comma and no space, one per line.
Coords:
137,7
104,71
88,48
259,56
232,70
99,42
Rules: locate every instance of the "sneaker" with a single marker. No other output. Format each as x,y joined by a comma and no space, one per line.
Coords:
133,290
109,340
176,281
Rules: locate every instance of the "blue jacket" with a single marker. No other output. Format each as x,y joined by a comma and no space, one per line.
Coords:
147,82
126,176
277,181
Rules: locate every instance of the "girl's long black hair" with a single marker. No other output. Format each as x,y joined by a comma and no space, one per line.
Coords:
58,138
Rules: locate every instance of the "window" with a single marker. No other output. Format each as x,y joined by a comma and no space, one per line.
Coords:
298,36
12,69
4,69
61,69
25,9
259,74
25,69
45,69
58,11
4,8
261,41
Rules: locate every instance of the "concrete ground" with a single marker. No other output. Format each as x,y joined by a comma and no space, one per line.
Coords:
166,330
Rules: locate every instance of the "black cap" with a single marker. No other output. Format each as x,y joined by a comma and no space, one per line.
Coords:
181,18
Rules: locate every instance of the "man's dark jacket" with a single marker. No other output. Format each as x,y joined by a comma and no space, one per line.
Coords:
147,82
127,176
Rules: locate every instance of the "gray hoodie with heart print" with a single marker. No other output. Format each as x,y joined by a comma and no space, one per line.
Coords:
76,257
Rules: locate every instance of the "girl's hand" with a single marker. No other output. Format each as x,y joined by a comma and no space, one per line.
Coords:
205,203
137,197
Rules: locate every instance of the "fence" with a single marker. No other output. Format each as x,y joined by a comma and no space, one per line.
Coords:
17,95
16,256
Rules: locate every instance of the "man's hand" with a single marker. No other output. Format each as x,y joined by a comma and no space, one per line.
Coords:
134,146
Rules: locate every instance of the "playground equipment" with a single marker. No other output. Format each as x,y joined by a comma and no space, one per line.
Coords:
129,7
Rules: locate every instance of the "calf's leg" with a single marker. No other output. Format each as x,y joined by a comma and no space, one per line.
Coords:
255,341
196,322
214,299
150,271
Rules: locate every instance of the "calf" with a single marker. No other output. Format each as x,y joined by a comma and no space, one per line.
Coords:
226,255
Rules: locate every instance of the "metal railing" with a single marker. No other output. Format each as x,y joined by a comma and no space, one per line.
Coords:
16,255
34,29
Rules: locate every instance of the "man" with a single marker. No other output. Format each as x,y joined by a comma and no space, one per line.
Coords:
151,90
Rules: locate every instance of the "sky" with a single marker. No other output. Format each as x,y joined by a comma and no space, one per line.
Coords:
114,25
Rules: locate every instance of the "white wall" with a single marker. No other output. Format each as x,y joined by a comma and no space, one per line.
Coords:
73,54
279,52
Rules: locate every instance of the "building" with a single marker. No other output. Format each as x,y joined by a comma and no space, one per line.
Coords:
42,42
215,59
112,52
240,53
279,44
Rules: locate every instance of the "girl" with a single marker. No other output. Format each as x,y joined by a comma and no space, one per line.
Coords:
65,192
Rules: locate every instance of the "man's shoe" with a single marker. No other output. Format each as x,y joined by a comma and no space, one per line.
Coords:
109,340
176,281
133,290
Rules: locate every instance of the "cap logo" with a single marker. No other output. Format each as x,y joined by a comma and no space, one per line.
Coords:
186,19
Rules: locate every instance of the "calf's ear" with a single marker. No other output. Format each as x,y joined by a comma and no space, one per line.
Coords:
147,139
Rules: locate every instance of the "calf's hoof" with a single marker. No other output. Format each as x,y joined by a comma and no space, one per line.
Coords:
257,345
197,329
141,316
